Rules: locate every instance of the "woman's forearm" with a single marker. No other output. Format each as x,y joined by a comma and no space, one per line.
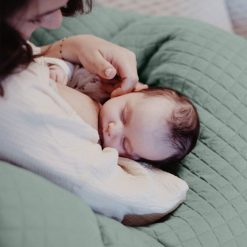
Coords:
62,49
98,56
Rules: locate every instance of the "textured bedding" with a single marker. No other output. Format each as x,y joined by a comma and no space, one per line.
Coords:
205,63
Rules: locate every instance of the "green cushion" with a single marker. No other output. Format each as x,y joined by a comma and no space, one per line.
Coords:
35,212
208,65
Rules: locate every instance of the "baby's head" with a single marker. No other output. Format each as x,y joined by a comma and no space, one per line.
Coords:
155,124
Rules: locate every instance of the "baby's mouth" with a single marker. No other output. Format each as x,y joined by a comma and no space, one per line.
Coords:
100,131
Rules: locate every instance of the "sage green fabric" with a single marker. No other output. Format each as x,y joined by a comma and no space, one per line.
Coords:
36,213
209,66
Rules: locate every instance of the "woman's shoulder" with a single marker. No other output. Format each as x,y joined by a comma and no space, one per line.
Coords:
34,74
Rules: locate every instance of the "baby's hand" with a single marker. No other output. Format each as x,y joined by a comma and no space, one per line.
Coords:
90,84
58,74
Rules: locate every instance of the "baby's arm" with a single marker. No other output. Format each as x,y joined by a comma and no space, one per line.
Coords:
172,192
60,71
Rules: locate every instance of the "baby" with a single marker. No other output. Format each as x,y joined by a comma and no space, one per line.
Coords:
158,125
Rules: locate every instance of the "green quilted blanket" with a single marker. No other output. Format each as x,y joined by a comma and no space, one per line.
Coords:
205,63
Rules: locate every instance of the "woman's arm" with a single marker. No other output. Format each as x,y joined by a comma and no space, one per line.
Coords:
98,56
167,193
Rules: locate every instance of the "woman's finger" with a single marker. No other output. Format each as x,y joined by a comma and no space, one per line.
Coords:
140,86
127,71
97,64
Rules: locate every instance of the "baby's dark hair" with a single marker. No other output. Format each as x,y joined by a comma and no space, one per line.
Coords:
184,124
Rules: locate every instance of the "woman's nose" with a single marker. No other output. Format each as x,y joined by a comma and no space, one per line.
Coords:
52,21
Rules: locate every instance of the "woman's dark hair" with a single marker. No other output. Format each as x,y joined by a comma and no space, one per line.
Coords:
14,50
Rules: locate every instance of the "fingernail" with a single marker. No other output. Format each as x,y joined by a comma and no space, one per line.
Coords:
109,72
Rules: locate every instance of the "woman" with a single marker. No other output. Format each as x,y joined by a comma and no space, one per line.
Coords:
42,133
21,18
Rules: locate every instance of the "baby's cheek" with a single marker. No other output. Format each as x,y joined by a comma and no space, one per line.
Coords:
108,142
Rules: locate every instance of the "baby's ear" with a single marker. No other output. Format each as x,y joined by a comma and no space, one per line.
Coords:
140,86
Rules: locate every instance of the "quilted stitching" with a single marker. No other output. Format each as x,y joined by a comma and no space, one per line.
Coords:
196,57
209,65
34,212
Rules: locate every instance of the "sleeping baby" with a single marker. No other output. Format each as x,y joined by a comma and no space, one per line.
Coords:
158,125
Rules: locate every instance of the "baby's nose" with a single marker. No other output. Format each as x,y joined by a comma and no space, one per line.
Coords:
114,129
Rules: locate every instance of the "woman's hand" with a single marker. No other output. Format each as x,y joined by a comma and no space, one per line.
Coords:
100,57
107,60
96,87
